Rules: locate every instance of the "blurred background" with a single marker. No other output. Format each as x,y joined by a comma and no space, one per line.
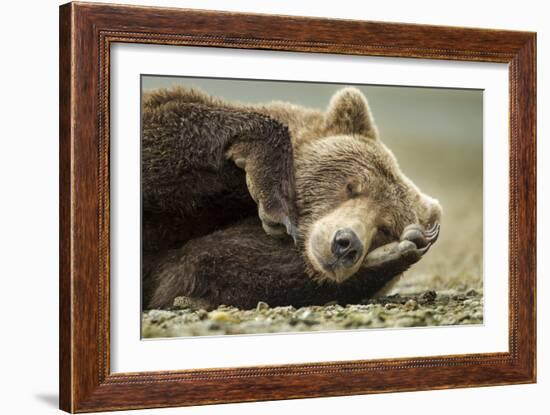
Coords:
436,135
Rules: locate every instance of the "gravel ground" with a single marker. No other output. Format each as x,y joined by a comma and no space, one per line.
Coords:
425,309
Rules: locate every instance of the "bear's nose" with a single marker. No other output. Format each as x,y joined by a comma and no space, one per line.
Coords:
346,247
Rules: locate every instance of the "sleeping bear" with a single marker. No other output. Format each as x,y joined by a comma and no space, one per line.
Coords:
275,203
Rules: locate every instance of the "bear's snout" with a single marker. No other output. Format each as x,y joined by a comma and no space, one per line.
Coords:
346,247
337,243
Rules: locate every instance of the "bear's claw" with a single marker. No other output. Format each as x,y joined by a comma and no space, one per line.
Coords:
422,238
277,225
291,229
414,243
431,236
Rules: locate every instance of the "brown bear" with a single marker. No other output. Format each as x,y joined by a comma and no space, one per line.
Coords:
275,203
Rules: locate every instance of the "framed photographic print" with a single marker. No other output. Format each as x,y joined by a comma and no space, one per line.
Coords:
259,207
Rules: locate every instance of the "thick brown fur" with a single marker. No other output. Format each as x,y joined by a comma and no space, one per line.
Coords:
241,265
211,168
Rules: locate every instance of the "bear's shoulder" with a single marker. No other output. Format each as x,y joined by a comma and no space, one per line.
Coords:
156,98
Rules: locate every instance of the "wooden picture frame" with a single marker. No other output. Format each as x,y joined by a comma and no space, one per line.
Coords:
86,33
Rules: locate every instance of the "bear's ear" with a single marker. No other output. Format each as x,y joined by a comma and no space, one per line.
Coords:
349,113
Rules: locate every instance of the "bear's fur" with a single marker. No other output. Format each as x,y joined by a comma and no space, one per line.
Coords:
224,184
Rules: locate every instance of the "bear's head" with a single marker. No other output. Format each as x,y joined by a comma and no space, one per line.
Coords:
351,195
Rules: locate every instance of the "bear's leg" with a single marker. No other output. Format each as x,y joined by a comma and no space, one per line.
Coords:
241,265
237,266
188,152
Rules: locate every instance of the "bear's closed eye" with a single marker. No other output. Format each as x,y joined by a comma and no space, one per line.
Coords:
385,231
353,188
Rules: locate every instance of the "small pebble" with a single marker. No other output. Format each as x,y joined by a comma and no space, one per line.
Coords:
429,296
357,320
406,322
443,299
214,326
410,305
304,313
222,317
471,293
262,306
